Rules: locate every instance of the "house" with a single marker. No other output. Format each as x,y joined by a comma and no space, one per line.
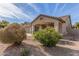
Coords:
60,24
27,27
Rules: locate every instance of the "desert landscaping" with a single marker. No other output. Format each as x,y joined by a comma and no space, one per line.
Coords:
65,47
43,39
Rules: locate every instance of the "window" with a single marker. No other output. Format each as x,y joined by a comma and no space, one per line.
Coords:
43,26
52,25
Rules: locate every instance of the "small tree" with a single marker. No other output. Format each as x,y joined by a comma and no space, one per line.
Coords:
25,23
77,25
13,33
4,23
48,37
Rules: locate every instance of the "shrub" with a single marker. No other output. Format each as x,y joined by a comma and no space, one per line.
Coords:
3,23
13,33
24,52
48,37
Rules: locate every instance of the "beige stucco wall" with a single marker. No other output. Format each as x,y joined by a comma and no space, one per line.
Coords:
67,25
45,20
64,31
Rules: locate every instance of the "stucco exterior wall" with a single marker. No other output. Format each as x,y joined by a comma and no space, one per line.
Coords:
67,25
64,31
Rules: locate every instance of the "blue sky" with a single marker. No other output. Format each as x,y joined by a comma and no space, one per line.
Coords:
21,12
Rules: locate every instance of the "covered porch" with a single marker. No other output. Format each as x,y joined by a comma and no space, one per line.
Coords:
39,26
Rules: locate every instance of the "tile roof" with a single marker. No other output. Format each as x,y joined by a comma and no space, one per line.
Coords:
57,18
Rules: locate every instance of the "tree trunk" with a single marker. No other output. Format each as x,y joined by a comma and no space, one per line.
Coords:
17,43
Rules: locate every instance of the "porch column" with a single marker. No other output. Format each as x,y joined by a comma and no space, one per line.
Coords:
47,25
56,26
40,27
32,28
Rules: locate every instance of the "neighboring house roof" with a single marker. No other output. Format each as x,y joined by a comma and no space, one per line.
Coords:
57,18
26,26
66,17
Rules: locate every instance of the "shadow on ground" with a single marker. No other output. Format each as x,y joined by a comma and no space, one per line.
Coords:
61,51
15,50
40,51
66,42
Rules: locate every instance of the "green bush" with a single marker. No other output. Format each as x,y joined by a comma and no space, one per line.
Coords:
13,33
24,52
48,37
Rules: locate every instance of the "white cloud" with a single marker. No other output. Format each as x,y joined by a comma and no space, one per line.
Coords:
1,19
56,7
64,5
34,7
11,10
